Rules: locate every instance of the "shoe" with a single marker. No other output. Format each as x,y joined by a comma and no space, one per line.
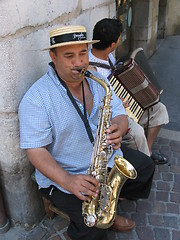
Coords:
159,158
122,224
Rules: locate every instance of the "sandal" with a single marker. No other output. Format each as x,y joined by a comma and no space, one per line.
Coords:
159,158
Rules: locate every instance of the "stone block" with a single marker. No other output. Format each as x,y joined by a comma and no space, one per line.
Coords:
175,234
141,14
112,10
173,208
163,186
159,207
171,221
162,196
22,64
31,14
145,232
38,233
161,233
94,3
23,201
167,176
175,197
142,34
144,207
12,159
90,20
139,218
156,220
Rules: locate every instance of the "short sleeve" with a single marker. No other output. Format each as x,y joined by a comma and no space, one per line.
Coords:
35,127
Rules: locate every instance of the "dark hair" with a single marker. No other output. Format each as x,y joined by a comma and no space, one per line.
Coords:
107,31
54,51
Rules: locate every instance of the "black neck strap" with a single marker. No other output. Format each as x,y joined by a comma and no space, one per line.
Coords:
83,117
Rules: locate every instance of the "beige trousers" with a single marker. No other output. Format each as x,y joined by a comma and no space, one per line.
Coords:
135,137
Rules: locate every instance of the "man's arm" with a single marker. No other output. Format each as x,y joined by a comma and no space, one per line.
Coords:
117,130
76,184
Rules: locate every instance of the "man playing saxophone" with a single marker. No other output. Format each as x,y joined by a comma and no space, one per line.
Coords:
58,121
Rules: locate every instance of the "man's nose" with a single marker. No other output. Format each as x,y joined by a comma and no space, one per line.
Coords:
77,61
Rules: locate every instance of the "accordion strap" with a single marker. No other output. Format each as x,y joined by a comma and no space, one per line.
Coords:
103,65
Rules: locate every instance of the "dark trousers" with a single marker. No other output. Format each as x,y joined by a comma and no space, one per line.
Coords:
132,189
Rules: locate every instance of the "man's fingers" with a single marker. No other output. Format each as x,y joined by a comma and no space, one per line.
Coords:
91,181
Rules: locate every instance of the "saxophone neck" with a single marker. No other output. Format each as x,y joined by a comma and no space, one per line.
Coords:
101,81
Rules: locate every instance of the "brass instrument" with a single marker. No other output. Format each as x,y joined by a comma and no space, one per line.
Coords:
100,211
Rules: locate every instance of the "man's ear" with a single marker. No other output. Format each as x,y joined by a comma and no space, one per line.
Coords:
113,45
52,55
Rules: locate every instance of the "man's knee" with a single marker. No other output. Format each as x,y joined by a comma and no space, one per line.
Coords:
138,134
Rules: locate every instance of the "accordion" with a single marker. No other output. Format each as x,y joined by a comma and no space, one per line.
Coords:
135,81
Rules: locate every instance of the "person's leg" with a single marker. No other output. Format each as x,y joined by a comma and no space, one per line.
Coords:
72,206
151,136
152,120
144,165
135,137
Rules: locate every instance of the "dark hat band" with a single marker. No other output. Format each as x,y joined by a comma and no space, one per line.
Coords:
69,37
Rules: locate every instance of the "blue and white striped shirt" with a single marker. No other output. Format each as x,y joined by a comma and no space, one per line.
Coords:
48,118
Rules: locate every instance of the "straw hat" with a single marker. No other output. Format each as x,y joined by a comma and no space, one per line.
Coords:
68,35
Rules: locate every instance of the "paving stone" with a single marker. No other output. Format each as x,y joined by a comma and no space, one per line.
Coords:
175,169
161,234
163,186
175,197
157,175
127,206
167,176
144,207
159,207
176,187
170,221
50,232
176,154
156,220
37,233
162,196
173,208
140,218
130,235
56,238
163,141
60,224
175,235
177,178
145,233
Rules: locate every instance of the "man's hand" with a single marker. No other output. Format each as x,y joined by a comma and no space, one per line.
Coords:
126,103
117,130
83,186
114,136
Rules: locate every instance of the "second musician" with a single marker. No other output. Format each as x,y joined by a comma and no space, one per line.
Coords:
108,31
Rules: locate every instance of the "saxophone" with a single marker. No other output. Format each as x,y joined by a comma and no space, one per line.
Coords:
100,211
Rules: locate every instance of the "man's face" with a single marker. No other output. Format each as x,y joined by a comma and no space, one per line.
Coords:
68,59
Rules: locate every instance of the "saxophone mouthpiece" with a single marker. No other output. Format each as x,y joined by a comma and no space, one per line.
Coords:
79,69
84,72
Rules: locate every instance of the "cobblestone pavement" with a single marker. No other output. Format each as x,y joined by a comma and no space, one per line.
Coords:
157,218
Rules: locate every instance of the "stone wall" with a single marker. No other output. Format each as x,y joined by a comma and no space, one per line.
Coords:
145,19
24,32
173,18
